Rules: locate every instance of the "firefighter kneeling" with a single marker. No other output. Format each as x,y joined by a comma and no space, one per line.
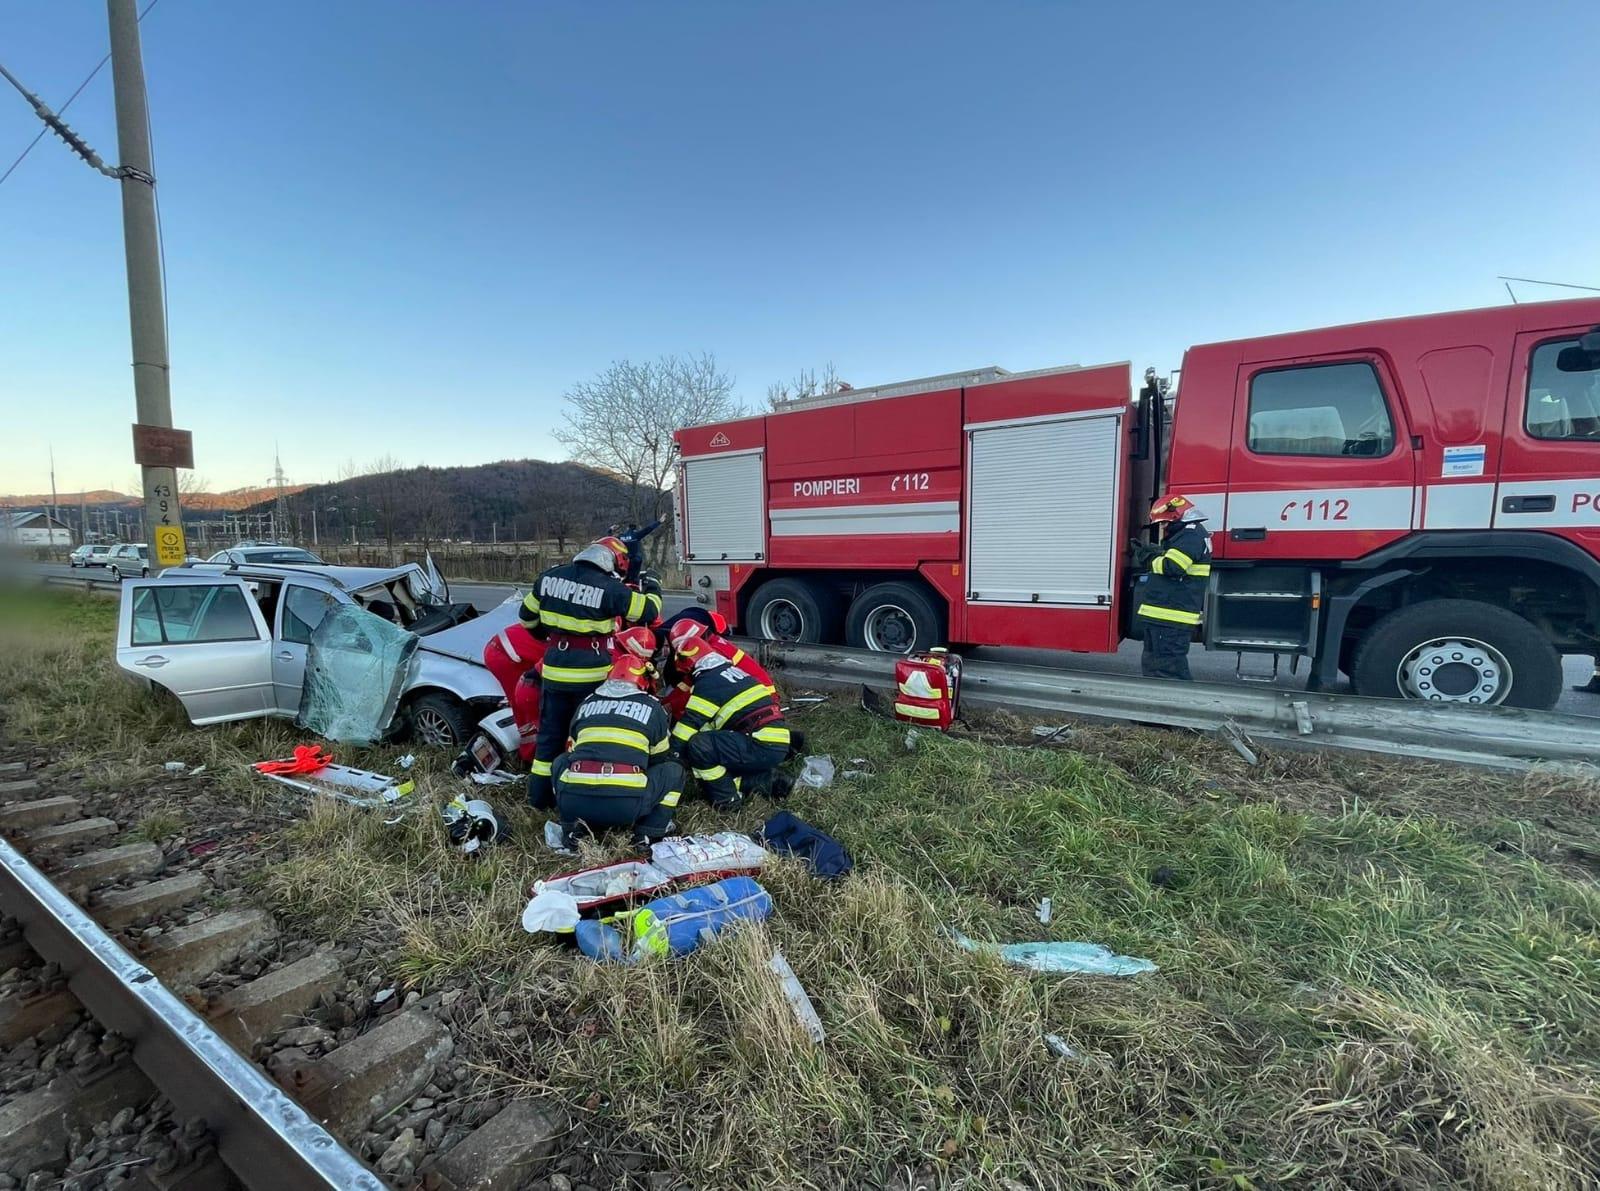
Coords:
731,732
619,770
1173,594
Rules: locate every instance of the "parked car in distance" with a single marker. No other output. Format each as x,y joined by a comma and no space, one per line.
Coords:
129,559
232,645
89,555
251,554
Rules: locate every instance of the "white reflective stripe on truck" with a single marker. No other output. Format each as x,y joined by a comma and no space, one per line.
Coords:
927,516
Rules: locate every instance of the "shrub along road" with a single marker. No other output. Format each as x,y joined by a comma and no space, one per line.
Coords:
1372,973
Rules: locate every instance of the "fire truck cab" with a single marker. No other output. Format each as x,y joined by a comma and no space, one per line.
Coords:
1414,502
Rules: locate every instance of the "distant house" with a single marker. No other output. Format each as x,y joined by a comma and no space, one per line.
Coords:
33,527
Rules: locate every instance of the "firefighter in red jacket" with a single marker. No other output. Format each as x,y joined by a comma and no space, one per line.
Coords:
1172,594
577,607
732,732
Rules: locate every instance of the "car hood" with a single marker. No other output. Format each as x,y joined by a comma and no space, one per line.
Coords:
466,641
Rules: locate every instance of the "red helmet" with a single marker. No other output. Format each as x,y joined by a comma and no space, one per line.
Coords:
609,553
1172,507
636,640
631,670
684,633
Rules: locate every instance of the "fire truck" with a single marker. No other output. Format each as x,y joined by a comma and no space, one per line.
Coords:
1414,502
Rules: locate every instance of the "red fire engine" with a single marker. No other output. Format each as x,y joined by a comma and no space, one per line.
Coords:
1415,502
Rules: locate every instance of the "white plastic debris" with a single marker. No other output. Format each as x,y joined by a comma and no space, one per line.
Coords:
197,771
378,998
1044,910
817,773
407,761
1058,1045
555,839
1052,733
794,992
1236,739
911,740
175,767
498,777
550,910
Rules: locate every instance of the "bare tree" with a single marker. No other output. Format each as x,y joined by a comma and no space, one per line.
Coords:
388,498
432,514
806,383
622,421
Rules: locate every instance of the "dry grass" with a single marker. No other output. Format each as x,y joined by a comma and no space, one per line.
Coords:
1373,973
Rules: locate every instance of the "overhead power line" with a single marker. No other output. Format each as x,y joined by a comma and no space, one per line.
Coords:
1593,289
53,121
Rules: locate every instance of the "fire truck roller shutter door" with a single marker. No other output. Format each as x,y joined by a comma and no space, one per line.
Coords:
802,610
725,507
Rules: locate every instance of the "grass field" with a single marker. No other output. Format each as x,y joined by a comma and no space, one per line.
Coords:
1373,973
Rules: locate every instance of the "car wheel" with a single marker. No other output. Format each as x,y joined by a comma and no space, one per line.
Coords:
894,618
794,610
1458,651
439,720
144,572
116,575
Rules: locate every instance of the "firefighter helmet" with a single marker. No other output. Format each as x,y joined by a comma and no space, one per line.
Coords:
1174,506
685,633
636,641
635,672
610,554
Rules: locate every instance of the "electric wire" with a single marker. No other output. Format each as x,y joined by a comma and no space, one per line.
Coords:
21,157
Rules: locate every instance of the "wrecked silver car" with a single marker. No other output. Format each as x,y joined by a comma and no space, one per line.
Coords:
232,644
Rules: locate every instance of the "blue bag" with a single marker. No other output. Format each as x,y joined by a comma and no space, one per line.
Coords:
676,925
792,835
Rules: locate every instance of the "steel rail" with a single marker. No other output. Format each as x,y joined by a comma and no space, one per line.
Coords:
264,1137
1496,737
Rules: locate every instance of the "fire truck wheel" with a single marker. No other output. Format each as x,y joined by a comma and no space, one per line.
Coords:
893,618
794,610
1458,651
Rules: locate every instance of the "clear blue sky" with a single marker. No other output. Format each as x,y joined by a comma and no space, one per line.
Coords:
405,228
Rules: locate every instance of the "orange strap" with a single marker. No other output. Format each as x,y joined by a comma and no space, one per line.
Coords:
308,758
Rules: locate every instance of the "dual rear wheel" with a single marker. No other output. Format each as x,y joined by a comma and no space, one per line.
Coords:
892,617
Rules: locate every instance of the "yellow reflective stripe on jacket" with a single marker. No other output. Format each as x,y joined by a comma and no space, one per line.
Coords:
683,731
701,704
1200,570
632,781
915,712
1178,556
670,798
712,774
742,700
1171,615
574,674
772,734
577,624
539,768
660,746
623,736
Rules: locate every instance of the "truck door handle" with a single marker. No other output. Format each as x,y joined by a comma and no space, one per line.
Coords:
155,661
1543,503
285,655
1254,533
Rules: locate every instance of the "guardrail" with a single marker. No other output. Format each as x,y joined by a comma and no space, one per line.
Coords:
265,1138
82,582
1495,737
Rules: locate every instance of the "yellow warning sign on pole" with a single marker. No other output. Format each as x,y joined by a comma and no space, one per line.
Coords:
169,546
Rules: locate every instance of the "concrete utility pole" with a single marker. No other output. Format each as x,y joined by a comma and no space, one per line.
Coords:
155,452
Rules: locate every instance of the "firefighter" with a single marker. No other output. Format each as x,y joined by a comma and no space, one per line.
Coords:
619,770
577,607
690,638
731,732
1173,593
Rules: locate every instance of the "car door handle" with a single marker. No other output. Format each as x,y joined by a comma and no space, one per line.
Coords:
1255,533
155,661
285,655
1543,503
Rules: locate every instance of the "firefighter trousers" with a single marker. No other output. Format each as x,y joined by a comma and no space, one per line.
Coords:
588,807
731,765
1166,651
558,703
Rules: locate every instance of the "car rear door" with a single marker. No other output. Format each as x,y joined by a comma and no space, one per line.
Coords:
300,610
203,639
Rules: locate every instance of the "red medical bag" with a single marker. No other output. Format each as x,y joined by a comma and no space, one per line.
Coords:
927,688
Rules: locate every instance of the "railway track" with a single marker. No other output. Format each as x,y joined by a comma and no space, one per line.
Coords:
136,1002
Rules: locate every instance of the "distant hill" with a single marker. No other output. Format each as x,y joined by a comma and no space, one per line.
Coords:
231,501
513,500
